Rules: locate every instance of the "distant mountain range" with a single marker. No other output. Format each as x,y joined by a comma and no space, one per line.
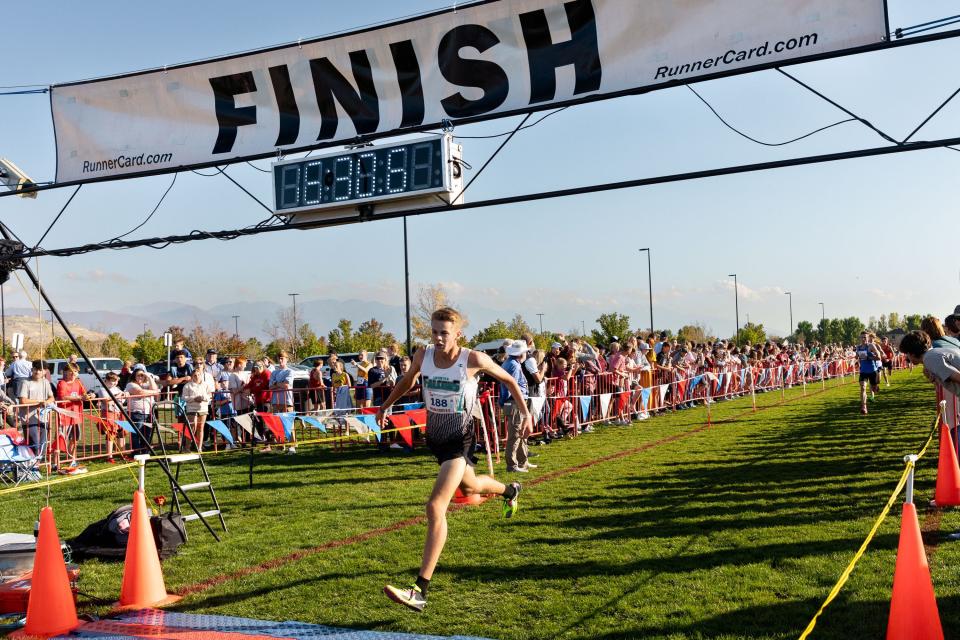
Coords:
323,315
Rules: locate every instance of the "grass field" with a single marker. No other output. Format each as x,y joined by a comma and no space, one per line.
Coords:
663,529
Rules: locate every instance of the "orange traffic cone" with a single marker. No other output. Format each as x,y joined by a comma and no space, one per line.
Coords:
913,606
51,610
142,575
474,499
948,472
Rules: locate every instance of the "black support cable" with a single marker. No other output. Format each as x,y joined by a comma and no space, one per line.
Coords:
490,159
530,197
242,188
863,121
752,139
69,200
147,219
929,117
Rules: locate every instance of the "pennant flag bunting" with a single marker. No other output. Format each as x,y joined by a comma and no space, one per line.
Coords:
371,423
126,426
272,422
693,383
743,377
624,400
356,424
719,380
682,388
369,410
286,419
418,416
183,430
537,403
605,403
663,392
313,422
399,421
584,407
245,422
645,399
222,429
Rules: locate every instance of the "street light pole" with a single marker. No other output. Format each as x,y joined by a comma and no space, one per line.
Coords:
294,296
823,321
583,326
541,323
788,293
406,285
236,326
736,306
650,286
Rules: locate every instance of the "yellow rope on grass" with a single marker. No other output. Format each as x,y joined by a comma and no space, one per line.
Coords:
873,531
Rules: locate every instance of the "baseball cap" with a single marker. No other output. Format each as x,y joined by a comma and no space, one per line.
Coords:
556,345
213,351
643,346
139,367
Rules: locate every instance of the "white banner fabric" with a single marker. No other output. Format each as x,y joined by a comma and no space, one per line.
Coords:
480,61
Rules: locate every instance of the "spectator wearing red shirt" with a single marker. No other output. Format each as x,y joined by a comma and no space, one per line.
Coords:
71,392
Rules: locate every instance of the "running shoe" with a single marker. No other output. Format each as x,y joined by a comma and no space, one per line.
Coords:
863,409
410,597
511,506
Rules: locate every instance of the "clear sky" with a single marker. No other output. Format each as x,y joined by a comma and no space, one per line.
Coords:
863,236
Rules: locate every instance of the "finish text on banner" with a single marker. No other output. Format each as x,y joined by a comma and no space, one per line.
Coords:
483,60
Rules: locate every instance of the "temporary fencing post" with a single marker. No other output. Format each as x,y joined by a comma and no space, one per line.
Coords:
753,390
783,383
709,401
913,605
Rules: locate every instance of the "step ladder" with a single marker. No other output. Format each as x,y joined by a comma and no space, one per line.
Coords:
165,413
178,488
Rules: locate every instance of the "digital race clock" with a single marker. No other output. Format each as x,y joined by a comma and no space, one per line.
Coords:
424,172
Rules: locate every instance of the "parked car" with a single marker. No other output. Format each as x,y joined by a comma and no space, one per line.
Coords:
348,359
103,365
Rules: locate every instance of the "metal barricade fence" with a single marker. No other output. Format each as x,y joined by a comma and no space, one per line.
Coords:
91,429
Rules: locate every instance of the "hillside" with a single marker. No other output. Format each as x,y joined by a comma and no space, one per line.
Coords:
30,328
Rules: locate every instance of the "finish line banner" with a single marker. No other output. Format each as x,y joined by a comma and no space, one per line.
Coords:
479,61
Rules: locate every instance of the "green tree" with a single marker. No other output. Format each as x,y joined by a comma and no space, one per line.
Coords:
497,330
893,320
310,343
611,325
518,326
752,333
835,331
694,333
912,321
882,326
804,332
371,336
252,349
851,329
342,339
115,346
148,348
58,348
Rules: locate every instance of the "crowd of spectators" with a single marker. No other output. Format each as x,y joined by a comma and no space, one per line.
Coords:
223,388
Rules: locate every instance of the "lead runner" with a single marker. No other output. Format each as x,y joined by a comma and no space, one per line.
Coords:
450,392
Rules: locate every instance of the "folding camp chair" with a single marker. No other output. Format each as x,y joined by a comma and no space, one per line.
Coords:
18,462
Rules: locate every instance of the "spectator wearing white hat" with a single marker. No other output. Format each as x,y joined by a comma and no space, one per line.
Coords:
517,454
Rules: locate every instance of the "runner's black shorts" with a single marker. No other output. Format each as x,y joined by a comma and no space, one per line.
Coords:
457,446
888,365
873,378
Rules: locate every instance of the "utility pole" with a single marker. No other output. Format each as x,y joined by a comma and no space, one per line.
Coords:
583,325
236,327
406,286
541,323
823,321
294,296
650,285
736,306
787,293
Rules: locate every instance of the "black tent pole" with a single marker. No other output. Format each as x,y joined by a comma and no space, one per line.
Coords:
162,462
